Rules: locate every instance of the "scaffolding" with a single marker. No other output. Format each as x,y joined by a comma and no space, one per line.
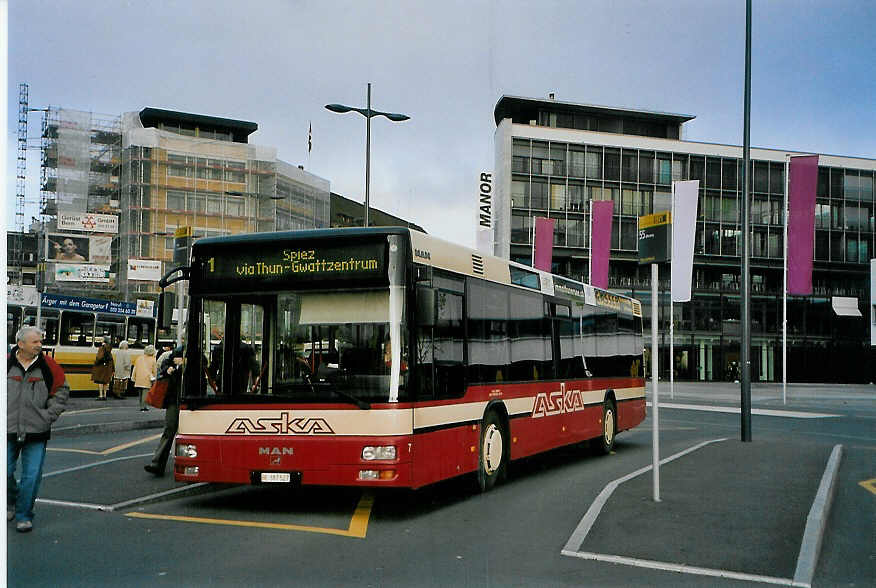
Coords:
81,157
17,253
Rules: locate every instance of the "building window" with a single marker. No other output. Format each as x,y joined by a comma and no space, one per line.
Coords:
176,200
520,229
594,163
558,196
538,194
576,196
235,206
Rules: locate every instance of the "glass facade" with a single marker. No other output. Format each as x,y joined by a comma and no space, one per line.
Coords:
557,179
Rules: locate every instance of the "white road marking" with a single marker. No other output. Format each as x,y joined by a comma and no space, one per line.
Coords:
792,414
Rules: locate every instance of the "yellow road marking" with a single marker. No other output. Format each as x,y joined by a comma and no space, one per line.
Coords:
109,451
357,529
869,485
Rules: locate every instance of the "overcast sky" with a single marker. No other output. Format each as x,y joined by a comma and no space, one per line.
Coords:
278,62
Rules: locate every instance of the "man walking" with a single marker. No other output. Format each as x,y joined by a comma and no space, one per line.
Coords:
37,394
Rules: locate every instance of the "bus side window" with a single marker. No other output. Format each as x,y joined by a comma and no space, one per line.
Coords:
77,328
111,327
13,323
49,320
140,331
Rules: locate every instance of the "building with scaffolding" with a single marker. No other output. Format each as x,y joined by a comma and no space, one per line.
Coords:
115,188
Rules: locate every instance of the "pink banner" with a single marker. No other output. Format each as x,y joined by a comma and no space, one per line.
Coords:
543,244
803,178
600,241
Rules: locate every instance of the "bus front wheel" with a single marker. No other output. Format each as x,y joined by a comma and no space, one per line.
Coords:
605,442
492,457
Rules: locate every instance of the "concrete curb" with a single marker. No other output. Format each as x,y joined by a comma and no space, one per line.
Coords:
816,522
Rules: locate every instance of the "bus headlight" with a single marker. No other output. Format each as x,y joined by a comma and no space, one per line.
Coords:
186,450
371,452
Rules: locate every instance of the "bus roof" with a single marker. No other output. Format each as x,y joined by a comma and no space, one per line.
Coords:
435,252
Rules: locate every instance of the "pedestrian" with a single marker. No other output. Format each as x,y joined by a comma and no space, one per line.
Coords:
37,393
103,368
171,369
122,374
166,348
145,371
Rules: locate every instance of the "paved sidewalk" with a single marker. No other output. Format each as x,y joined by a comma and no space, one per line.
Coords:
87,415
727,509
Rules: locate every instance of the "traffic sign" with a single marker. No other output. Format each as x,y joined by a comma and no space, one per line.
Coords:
655,234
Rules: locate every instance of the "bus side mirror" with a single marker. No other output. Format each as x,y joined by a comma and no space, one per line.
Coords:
166,304
426,307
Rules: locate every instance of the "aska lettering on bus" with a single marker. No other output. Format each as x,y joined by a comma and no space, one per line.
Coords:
558,402
284,424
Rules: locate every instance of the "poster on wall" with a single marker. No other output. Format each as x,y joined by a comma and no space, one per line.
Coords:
144,269
99,249
68,248
88,221
79,272
145,307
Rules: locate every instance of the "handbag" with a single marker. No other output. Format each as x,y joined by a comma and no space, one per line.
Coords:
156,394
120,387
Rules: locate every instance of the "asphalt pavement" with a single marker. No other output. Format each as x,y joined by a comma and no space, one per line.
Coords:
726,508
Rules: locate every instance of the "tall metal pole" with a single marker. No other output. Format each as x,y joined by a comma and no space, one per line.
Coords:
785,291
746,240
655,402
368,155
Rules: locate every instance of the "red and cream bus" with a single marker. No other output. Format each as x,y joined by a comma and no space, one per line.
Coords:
386,357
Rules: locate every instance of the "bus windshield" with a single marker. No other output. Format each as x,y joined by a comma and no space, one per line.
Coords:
299,346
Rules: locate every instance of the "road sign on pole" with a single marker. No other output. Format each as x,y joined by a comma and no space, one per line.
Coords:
655,237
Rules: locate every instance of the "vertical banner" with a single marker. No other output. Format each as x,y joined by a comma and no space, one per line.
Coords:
543,244
485,214
684,226
803,178
600,241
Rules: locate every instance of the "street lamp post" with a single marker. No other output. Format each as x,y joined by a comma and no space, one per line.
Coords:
368,113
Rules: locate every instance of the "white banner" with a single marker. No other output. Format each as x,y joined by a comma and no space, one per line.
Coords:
99,250
24,295
144,269
74,272
87,221
684,219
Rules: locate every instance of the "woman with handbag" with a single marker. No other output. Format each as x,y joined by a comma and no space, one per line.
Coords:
170,371
145,370
104,367
122,374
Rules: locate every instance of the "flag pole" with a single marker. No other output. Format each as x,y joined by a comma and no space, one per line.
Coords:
785,289
672,316
590,227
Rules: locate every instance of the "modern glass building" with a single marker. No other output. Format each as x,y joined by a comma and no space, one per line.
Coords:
553,157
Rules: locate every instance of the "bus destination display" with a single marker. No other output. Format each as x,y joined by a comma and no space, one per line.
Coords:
287,265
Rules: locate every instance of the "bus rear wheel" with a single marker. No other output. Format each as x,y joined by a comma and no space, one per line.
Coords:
605,442
492,457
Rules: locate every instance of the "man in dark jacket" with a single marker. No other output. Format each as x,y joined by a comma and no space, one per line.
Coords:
171,369
37,394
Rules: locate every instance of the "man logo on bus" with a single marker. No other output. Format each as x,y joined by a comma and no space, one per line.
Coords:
559,402
285,424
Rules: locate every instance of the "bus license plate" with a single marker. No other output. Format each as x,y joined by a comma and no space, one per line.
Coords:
278,477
